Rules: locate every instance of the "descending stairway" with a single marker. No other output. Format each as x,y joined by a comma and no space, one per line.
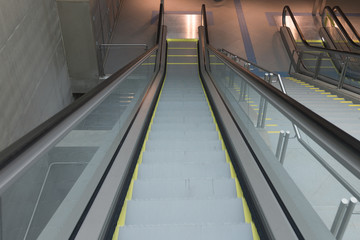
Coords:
184,185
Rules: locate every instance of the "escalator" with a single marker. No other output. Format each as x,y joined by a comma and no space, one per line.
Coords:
338,37
342,33
182,143
328,57
184,186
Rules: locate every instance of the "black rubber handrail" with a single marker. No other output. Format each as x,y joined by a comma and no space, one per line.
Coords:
204,22
24,143
337,9
160,22
303,40
333,16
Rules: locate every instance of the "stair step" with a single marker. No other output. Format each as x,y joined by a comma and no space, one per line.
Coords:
183,119
182,156
187,145
194,211
187,126
184,135
184,113
184,188
240,231
181,104
184,170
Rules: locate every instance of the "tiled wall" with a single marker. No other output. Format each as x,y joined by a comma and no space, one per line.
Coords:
34,82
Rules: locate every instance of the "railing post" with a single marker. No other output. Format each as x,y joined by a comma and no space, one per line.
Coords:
343,72
345,221
339,216
271,76
297,68
264,114
100,60
261,111
318,65
284,147
280,143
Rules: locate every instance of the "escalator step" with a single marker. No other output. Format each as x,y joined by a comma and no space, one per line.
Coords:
184,135
185,188
182,156
194,211
184,170
168,127
183,145
241,231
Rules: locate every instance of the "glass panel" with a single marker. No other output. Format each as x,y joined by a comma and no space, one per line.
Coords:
54,191
331,66
263,125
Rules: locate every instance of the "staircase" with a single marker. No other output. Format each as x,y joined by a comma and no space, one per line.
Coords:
184,185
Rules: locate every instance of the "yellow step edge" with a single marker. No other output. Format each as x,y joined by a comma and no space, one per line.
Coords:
121,221
182,55
273,132
130,190
338,99
333,96
182,40
182,63
354,105
239,191
136,171
247,213
232,170
313,41
271,125
116,233
254,231
346,102
325,93
227,157
319,90
181,48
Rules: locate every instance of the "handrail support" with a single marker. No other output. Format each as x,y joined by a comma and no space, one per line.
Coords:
343,72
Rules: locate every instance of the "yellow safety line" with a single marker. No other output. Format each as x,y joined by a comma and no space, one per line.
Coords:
182,55
180,48
182,63
313,41
181,40
314,59
273,131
